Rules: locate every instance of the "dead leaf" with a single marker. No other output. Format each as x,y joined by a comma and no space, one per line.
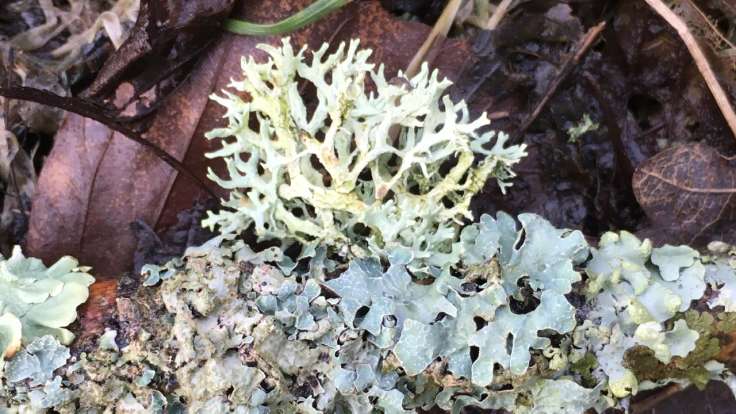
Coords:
96,183
689,194
632,83
167,39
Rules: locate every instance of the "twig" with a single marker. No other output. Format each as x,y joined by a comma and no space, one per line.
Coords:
700,60
89,110
441,28
499,14
650,402
712,26
582,48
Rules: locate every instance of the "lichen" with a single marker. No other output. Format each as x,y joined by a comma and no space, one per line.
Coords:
712,336
37,301
505,332
364,174
373,189
643,329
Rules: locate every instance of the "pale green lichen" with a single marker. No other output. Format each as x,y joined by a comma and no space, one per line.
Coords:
584,126
635,292
37,361
224,335
699,366
37,301
518,315
677,342
11,333
374,188
670,259
722,277
362,173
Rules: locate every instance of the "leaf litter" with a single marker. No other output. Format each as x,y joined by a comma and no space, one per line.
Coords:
117,172
672,142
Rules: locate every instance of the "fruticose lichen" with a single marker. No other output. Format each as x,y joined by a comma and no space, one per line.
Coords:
518,315
362,173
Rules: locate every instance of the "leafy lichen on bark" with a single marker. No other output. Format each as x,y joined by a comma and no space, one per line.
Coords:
518,315
713,333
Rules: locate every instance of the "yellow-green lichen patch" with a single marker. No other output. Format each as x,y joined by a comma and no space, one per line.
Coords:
712,332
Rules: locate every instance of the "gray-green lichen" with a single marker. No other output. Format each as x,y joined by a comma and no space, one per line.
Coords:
220,334
374,188
37,301
37,304
362,173
637,296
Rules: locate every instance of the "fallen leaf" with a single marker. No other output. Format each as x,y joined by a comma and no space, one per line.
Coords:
689,194
96,183
626,83
167,39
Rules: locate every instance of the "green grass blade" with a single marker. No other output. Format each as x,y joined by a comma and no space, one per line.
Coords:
309,14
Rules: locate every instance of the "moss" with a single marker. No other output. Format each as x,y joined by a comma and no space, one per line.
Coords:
584,367
713,332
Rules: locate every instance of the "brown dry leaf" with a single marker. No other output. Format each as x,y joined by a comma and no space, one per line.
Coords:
96,183
689,194
165,43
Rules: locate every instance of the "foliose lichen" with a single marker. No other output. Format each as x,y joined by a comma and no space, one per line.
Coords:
226,335
37,301
37,304
373,188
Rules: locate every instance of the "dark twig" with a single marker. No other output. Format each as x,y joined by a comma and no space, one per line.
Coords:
92,111
581,49
647,404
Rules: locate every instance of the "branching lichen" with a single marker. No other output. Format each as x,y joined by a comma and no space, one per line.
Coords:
361,173
518,315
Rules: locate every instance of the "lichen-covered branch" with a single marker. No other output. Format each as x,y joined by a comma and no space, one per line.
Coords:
518,315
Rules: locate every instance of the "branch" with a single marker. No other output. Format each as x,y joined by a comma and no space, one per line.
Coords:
95,112
583,46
